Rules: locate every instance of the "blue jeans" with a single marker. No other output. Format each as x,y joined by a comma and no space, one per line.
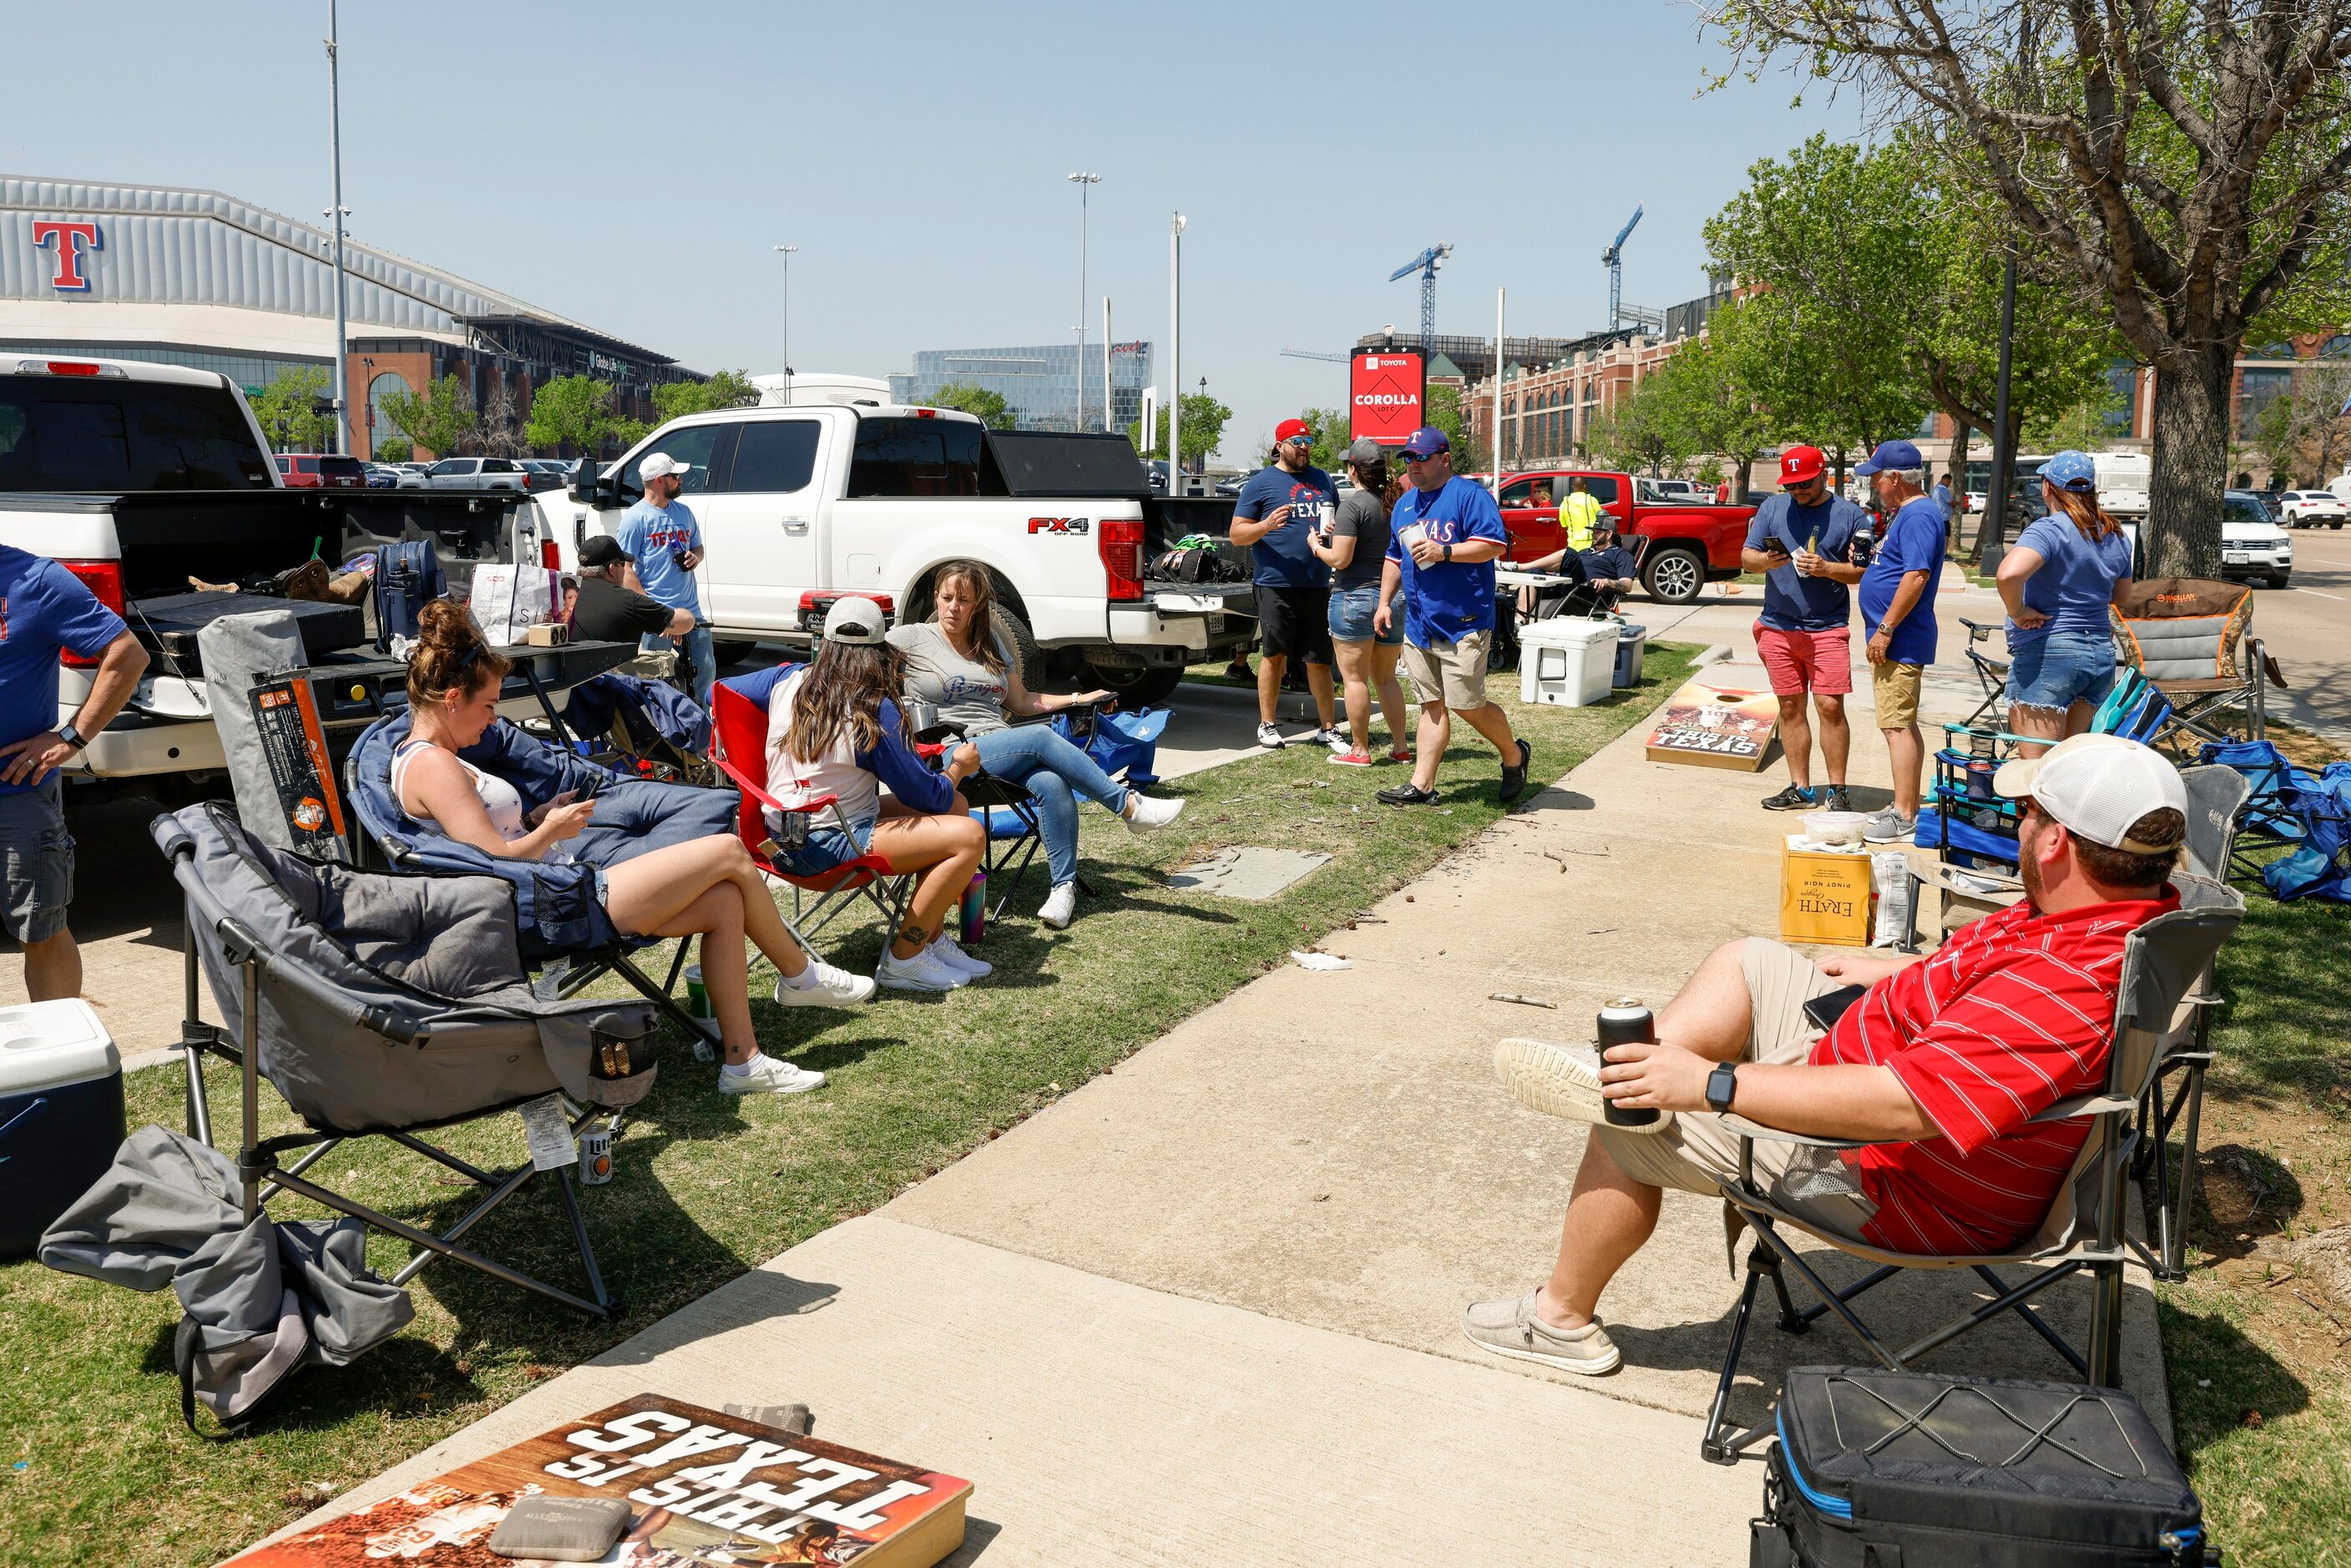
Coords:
1352,610
827,846
694,654
2056,671
1055,773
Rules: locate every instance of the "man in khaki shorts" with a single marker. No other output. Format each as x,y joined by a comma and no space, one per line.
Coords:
1443,538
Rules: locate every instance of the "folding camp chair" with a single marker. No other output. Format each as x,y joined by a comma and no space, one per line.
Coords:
739,747
642,728
2294,830
385,1005
2187,637
1991,674
2084,1231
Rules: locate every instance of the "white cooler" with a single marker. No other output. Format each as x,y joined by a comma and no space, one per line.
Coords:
1568,661
60,1114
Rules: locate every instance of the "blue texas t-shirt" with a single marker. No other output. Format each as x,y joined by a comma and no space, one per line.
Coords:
1914,542
1282,559
653,536
1793,602
43,608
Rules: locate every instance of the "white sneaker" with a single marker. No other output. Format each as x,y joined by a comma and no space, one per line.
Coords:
1269,736
922,972
1061,905
952,957
1333,739
1148,816
824,987
769,1075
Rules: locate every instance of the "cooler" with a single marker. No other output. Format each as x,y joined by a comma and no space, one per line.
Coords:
1632,645
60,1114
1566,661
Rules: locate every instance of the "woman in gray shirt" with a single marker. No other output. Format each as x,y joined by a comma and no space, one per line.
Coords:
1354,547
972,683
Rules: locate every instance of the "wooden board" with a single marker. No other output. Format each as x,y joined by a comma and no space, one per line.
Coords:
1715,722
705,1488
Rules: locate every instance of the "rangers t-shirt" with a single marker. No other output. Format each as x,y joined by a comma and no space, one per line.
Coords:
653,536
1282,559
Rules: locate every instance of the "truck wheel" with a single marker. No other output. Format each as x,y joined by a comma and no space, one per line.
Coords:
1673,575
1013,632
1138,688
732,652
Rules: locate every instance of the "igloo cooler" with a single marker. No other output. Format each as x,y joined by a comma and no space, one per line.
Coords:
60,1114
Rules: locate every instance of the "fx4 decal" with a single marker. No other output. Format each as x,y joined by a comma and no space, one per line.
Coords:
1076,526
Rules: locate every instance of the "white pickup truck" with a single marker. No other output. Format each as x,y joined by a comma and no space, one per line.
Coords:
799,505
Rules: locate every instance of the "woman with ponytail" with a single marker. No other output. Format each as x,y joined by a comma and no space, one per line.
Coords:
2057,581
707,887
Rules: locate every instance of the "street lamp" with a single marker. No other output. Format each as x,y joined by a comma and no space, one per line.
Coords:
339,212
1085,183
1174,357
786,252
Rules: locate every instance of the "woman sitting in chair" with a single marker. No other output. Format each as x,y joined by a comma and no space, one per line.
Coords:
971,679
834,729
706,887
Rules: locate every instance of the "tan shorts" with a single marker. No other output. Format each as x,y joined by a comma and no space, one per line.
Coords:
1699,1154
1895,688
1456,670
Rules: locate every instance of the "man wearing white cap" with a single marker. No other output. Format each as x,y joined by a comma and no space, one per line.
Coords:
1941,1065
661,534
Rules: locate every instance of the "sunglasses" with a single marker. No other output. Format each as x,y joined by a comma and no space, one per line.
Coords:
1423,457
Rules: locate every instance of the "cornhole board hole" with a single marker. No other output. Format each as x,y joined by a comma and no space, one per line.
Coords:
1714,723
1250,874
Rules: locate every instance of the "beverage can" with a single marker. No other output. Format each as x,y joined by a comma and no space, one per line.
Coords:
1979,777
697,1000
1624,1021
596,1155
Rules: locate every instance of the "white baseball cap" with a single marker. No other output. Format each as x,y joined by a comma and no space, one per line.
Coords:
660,465
2097,786
855,619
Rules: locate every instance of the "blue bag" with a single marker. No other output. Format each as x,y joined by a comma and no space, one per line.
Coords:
1116,741
407,578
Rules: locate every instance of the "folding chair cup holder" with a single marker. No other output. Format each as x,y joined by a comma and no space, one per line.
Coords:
2157,1026
385,1005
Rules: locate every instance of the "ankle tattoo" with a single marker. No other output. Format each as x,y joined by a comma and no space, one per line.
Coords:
914,932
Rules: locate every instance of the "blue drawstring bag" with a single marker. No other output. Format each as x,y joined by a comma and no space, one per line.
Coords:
1120,739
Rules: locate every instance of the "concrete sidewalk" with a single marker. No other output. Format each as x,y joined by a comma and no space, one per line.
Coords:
1206,1306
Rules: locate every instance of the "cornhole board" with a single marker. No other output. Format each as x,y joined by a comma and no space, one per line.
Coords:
1713,722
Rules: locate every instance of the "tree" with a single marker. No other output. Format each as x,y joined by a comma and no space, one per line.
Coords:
1445,413
2305,433
2185,165
437,419
1716,382
579,412
989,407
499,431
394,449
1331,437
2084,427
288,412
1644,429
724,389
1204,427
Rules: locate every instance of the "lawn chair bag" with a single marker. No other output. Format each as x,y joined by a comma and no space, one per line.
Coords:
649,708
1120,739
392,1001
1906,1469
407,578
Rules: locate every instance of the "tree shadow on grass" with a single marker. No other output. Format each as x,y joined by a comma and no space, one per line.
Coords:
2243,1197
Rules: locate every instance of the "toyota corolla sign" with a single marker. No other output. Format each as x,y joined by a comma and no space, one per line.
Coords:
1385,393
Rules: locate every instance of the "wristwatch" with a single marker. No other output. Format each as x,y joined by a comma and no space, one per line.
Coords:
72,737
1721,1085
1449,552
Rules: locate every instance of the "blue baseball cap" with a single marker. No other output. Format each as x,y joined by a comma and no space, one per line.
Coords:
1426,442
1894,454
2071,471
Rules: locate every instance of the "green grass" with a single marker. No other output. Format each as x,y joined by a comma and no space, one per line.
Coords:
706,1188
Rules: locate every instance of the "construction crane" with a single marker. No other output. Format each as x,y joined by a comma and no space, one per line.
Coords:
1316,354
1613,258
1425,264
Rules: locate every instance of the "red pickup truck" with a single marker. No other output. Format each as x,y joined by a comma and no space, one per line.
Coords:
1682,545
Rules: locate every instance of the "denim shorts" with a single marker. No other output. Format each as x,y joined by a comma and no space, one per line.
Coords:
36,861
2062,669
1352,610
827,846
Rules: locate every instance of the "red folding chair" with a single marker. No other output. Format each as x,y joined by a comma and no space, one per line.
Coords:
738,745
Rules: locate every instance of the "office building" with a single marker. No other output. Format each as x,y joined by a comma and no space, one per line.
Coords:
1045,387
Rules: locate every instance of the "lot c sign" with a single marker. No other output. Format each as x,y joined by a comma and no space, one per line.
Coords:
1385,394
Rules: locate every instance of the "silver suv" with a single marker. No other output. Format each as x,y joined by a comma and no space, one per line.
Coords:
476,474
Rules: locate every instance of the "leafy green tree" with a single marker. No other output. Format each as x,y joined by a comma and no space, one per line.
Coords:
724,389
1646,429
438,420
1203,426
288,409
1331,438
394,449
579,412
2304,433
989,407
1446,413
2087,426
1716,383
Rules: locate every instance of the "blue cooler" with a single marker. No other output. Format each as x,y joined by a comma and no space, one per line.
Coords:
60,1114
1632,643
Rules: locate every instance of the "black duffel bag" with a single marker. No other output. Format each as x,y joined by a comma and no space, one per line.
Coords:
1907,1470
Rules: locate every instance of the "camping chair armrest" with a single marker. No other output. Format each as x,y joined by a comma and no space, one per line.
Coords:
2076,1106
1744,1128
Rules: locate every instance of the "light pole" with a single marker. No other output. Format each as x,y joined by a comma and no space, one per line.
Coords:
337,211
1085,183
786,252
1175,356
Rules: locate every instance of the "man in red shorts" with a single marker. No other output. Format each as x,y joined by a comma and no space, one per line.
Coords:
1802,541
1941,1064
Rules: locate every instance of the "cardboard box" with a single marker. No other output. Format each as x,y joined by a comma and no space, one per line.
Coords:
1824,897
548,634
1715,722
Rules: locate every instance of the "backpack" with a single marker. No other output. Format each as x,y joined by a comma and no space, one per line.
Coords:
1199,564
407,578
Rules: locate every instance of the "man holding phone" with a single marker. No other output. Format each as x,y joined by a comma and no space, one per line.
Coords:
1802,541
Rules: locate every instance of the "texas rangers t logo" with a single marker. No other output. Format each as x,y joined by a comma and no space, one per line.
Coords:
71,239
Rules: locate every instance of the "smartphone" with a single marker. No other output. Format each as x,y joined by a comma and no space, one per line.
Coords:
1824,1011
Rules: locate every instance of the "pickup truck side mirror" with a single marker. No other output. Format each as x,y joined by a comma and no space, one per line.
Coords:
584,482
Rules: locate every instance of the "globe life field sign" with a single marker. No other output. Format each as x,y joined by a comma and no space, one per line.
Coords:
1386,394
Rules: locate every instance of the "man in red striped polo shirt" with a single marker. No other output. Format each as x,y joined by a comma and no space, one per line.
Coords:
1941,1063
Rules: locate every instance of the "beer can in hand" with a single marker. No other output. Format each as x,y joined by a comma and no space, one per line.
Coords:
1621,1022
596,1155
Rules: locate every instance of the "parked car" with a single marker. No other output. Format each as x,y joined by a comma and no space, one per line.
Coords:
380,478
2309,509
1684,544
476,474
320,471
2252,542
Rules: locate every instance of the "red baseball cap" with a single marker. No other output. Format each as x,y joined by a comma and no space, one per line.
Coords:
1291,430
1800,465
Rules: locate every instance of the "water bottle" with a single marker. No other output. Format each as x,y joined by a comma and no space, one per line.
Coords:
974,913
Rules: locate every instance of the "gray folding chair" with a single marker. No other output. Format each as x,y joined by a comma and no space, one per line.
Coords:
2085,1228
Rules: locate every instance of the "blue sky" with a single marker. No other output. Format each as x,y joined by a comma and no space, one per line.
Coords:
631,166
